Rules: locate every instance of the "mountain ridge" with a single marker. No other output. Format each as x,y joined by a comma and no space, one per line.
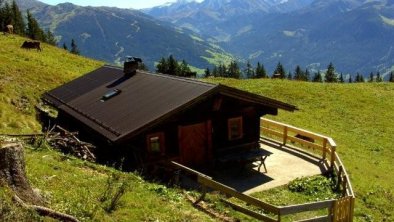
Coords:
314,34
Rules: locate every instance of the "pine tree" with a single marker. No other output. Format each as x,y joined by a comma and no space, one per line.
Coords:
298,74
5,16
50,38
289,76
17,19
391,79
183,70
341,80
33,29
249,72
172,65
362,78
207,73
233,70
330,74
307,75
371,77
260,71
215,72
350,79
65,46
142,66
378,77
222,70
279,71
317,77
162,66
74,48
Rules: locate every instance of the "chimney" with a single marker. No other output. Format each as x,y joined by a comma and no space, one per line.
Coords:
130,65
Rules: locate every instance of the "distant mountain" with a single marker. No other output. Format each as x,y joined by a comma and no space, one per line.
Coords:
110,34
356,35
212,16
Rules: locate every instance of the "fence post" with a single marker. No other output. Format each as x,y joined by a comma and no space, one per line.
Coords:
285,135
324,148
333,150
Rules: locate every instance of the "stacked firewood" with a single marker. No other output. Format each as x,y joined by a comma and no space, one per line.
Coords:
69,143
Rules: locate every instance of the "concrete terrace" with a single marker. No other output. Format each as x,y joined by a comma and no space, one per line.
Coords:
283,166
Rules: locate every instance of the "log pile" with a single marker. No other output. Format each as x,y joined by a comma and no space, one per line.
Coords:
69,143
60,139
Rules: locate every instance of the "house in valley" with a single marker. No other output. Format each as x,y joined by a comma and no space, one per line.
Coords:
145,118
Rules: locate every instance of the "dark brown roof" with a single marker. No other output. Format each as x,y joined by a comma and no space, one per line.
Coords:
140,100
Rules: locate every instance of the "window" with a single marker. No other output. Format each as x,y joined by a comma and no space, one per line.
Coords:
110,94
155,143
235,128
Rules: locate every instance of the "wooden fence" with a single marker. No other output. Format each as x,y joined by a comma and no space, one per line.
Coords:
323,147
340,210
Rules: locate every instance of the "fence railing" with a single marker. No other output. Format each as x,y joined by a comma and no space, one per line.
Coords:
338,210
322,146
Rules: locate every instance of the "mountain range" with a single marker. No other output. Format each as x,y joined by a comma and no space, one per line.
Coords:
110,34
355,35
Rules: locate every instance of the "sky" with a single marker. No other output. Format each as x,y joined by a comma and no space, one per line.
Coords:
135,4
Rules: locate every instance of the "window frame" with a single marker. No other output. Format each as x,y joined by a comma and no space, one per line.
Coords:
235,120
161,138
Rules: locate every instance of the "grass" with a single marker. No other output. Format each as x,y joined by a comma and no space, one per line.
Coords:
26,74
359,117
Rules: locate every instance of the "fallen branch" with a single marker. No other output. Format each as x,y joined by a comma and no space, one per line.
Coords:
44,211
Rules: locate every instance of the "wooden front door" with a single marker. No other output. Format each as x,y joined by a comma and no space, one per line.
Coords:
195,143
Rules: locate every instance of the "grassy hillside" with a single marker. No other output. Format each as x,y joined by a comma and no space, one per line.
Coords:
25,75
69,185
359,117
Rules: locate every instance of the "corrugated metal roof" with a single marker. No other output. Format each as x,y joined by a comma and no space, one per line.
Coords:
144,98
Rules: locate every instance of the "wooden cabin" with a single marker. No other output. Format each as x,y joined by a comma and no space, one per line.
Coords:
143,117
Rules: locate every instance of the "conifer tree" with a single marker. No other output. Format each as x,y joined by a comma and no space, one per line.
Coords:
289,76
17,19
298,74
162,66
207,73
183,70
215,71
279,70
249,72
350,79
307,75
341,80
378,77
172,65
317,77
330,74
74,48
233,70
142,66
260,71
50,38
33,29
371,77
362,78
222,70
391,79
65,46
5,16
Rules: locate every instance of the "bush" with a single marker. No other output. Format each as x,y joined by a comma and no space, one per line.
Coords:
313,186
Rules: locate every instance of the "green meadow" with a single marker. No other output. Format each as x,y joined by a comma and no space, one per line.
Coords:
359,117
